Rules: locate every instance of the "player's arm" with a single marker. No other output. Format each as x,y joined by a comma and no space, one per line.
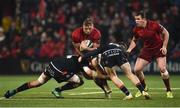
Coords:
90,54
77,46
84,46
165,35
132,44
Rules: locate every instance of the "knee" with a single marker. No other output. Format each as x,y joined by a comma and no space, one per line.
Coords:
137,71
165,75
34,84
162,69
77,84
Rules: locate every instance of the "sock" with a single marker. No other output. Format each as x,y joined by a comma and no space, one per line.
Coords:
68,86
23,87
166,82
143,83
102,83
124,90
140,87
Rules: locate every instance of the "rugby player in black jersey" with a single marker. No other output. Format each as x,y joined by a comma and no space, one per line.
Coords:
62,69
112,55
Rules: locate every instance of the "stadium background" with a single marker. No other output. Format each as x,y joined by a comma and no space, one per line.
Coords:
33,32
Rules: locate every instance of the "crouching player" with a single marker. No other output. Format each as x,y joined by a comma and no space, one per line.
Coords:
63,69
115,55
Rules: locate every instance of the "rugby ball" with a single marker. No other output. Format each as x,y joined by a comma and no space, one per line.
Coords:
88,43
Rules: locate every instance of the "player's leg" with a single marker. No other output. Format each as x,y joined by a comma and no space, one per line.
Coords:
161,61
74,82
118,83
126,68
93,74
138,70
28,85
102,83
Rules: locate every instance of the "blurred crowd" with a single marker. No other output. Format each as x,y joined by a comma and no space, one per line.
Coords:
42,28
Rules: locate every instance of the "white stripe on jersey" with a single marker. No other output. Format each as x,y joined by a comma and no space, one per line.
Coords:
56,68
112,50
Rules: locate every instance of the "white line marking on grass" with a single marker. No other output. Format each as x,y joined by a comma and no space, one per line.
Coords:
1,98
24,99
86,93
131,88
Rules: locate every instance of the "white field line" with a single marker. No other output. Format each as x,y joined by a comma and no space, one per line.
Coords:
95,88
25,99
89,93
75,94
1,98
85,93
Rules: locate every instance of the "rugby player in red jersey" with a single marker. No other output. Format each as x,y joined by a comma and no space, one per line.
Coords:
155,38
89,32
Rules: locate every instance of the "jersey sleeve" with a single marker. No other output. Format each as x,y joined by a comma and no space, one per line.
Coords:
97,36
158,27
91,54
75,37
135,33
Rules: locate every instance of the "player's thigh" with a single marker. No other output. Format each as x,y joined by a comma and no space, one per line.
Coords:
161,62
126,68
140,64
111,72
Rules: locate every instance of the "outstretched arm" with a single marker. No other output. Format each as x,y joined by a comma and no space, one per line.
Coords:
132,44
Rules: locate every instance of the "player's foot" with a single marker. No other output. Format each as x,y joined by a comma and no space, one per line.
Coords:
128,97
9,93
138,94
57,94
108,94
169,94
146,95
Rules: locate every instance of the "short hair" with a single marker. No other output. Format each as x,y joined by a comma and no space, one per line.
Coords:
142,13
88,21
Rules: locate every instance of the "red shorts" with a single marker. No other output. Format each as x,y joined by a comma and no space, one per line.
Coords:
149,55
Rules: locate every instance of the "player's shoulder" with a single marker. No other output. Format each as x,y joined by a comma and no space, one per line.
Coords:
95,30
136,29
77,31
152,23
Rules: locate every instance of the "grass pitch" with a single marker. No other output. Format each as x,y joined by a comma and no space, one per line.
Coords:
88,95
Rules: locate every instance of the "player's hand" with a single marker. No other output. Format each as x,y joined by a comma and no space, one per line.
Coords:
80,59
83,46
163,50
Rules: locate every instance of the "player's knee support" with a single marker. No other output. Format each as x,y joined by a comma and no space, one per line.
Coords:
41,80
76,79
165,75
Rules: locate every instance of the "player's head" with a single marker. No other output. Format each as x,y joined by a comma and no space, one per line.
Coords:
88,25
140,18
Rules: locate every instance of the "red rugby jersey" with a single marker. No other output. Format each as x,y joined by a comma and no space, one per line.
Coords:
151,35
78,36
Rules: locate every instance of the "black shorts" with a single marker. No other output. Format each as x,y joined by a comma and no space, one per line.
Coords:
114,60
59,77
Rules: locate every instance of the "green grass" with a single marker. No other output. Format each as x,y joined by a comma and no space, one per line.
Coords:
42,97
